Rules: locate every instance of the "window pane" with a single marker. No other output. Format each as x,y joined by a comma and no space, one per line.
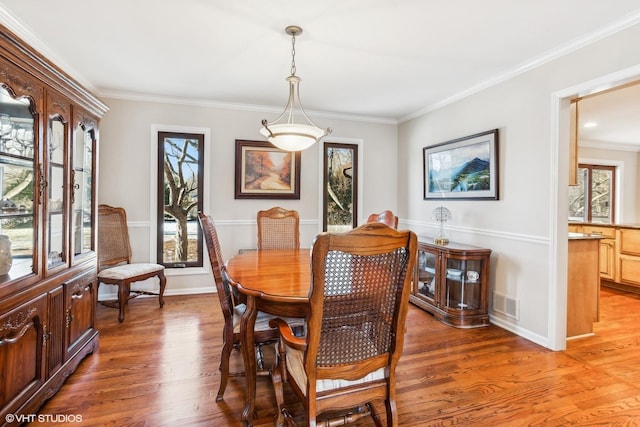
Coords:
578,198
17,187
16,217
82,179
180,198
593,198
56,206
340,187
601,180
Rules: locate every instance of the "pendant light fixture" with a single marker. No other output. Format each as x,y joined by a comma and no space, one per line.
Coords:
284,132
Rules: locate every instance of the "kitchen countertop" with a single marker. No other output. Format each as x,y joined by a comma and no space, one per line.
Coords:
597,224
584,236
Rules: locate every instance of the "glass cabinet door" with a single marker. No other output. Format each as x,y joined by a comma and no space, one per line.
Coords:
463,290
82,190
56,242
17,187
426,282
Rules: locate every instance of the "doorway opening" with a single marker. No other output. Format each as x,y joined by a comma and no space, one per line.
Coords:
625,78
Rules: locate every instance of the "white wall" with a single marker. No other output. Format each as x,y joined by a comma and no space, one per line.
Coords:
126,168
525,228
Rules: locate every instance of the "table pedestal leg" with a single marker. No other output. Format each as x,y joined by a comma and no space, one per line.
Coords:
247,324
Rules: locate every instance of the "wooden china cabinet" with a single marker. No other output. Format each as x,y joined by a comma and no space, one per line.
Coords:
48,146
451,282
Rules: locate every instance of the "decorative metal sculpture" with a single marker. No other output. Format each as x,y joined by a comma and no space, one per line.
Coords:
441,215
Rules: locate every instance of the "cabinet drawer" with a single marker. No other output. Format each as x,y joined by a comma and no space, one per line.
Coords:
630,271
629,241
575,228
609,232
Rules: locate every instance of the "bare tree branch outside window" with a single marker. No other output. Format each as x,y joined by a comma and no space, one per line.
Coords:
180,197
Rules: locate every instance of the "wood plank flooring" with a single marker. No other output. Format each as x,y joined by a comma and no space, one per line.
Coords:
160,368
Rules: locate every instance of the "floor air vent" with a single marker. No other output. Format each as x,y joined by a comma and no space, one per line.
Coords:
505,305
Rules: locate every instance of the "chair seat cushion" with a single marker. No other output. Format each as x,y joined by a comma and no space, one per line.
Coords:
262,320
127,271
295,367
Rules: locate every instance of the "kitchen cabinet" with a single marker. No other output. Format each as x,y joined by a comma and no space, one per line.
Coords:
48,146
619,259
583,287
629,256
607,258
451,282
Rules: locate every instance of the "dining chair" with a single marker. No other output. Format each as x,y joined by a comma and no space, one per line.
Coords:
233,308
360,285
385,217
278,228
114,260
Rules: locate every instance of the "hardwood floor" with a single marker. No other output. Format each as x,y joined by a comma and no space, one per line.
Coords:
160,368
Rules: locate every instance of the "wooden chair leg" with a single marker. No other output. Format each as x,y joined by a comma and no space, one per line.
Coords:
374,415
278,375
163,284
123,298
288,417
224,369
390,405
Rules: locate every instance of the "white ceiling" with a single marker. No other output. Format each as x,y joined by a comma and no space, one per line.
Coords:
371,59
617,116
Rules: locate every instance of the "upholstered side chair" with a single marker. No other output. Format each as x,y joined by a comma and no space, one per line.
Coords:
114,259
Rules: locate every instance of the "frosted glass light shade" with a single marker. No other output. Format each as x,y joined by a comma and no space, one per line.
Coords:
292,136
289,135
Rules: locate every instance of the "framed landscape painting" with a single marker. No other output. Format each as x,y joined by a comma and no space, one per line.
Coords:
266,172
463,168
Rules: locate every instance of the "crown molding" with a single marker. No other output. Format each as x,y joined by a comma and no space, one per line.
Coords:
129,96
603,145
562,50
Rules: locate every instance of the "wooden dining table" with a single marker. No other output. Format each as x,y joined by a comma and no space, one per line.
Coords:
274,281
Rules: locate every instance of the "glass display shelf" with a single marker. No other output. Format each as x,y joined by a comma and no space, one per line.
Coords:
451,282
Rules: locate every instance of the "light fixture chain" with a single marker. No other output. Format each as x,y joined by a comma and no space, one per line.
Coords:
293,55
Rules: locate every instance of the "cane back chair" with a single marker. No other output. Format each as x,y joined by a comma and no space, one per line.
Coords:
360,286
385,217
114,259
278,228
232,309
